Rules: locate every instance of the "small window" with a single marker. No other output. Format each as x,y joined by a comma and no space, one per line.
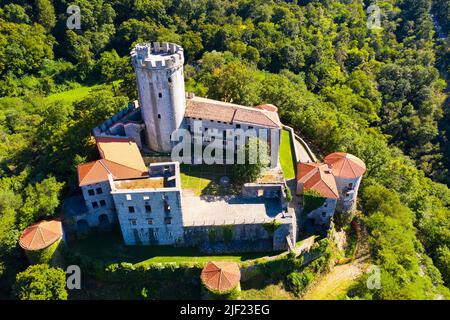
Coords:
168,220
128,197
146,198
238,126
131,209
91,192
149,221
159,116
99,190
95,205
148,208
170,79
133,222
160,95
324,214
166,206
102,203
350,185
250,127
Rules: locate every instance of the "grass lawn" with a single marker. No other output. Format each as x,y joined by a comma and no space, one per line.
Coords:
109,247
270,292
204,179
78,93
286,156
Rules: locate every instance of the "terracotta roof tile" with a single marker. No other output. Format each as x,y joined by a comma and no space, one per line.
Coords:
317,177
209,109
345,165
221,276
120,157
41,235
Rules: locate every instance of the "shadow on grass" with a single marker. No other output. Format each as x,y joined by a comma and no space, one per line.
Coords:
109,247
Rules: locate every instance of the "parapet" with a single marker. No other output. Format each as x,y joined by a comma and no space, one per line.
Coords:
157,56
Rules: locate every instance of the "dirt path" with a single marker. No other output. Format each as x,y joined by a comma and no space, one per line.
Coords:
335,284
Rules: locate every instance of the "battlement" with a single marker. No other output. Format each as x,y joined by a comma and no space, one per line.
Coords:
157,56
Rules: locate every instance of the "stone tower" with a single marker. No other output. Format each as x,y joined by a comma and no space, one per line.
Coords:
160,82
348,171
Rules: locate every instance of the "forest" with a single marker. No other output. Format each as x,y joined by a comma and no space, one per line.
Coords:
378,92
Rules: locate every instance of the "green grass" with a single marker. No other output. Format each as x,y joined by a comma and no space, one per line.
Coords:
286,156
204,179
79,93
109,247
269,292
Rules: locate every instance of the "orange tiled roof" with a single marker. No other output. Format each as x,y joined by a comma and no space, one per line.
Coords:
317,177
209,109
41,235
345,165
120,158
221,276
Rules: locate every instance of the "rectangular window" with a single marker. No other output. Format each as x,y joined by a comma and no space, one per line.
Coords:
102,203
146,198
133,222
159,116
149,221
160,95
131,209
148,208
250,127
95,205
99,190
91,192
238,126
128,197
168,220
166,206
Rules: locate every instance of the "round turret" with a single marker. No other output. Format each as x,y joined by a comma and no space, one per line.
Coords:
160,82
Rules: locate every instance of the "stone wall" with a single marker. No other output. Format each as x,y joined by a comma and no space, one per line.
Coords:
160,82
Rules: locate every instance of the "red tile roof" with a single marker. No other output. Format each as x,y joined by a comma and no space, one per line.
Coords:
120,158
345,165
41,235
221,276
209,109
317,177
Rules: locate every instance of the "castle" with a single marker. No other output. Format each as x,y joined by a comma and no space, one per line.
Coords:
148,201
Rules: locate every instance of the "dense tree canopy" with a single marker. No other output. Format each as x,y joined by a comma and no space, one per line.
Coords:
377,93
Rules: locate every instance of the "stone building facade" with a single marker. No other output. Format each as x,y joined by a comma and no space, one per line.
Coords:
335,183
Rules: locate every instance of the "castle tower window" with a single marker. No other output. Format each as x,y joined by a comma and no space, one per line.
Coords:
170,80
149,221
168,220
324,214
95,205
133,222
159,116
148,208
91,192
166,206
160,95
128,197
238,126
350,185
131,209
146,198
102,203
99,190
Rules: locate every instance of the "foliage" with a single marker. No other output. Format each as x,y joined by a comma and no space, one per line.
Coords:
41,282
256,160
312,200
272,226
